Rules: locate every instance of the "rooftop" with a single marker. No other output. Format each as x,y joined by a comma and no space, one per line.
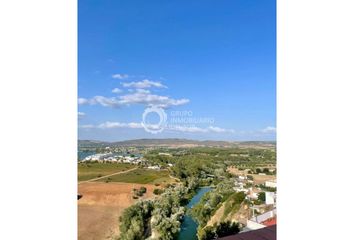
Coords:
270,222
267,233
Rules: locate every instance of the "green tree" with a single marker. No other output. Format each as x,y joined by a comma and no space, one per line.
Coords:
226,228
206,233
261,196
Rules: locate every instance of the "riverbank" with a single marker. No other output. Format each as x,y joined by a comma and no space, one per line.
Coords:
189,226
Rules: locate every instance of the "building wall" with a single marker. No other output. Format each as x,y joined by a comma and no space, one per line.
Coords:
271,184
263,217
254,225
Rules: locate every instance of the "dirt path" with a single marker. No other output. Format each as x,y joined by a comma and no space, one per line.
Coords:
176,179
95,179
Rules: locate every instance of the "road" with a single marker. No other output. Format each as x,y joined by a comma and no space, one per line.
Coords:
95,179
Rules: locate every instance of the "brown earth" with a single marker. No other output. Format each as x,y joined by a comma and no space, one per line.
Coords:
102,204
235,171
260,179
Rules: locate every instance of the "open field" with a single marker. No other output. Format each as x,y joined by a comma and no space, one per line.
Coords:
102,204
87,171
258,179
236,171
142,176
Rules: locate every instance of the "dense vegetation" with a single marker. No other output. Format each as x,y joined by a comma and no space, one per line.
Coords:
218,230
210,202
159,219
201,161
134,220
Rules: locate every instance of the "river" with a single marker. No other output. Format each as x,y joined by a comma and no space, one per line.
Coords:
189,226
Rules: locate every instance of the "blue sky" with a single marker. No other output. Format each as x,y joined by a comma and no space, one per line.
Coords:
202,59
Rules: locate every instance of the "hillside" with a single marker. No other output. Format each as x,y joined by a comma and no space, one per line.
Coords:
175,142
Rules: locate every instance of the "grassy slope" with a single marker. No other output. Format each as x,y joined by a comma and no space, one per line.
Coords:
94,170
142,176
225,210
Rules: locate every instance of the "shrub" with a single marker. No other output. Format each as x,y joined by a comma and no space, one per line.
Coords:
140,194
218,230
143,189
206,233
261,196
157,191
226,229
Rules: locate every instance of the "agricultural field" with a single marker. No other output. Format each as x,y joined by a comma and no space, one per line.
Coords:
142,176
87,171
102,204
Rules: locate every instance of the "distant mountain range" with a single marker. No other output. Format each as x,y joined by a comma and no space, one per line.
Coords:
176,142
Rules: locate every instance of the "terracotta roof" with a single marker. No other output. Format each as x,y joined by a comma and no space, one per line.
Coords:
267,233
270,221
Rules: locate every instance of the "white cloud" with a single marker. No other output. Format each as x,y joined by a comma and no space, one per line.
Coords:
104,101
117,90
81,114
188,129
110,125
141,96
192,129
83,101
144,84
269,130
88,126
220,130
146,98
176,128
120,76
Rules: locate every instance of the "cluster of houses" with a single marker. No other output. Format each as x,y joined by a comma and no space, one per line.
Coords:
268,209
110,157
246,184
113,158
241,183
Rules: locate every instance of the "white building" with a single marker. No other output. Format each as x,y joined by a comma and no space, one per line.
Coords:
252,195
271,183
154,167
165,154
270,198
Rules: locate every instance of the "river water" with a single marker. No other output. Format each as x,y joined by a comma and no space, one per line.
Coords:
189,226
83,154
